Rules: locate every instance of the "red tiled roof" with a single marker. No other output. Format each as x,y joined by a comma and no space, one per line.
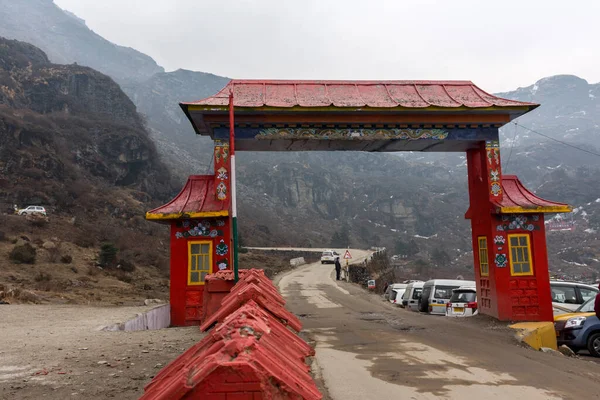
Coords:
196,200
377,94
517,199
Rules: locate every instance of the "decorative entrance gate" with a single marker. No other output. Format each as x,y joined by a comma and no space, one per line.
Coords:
507,221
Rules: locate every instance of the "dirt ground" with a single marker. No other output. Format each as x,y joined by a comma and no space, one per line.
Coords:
59,352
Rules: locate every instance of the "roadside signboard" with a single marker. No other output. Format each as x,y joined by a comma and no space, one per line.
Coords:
371,284
347,255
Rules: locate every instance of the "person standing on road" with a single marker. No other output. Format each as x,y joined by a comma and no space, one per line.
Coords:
338,268
597,304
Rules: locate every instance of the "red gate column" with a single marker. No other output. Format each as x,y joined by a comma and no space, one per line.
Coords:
509,241
484,175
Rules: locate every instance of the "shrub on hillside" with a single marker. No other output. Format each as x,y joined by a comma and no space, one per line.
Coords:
43,277
126,266
108,255
23,254
66,259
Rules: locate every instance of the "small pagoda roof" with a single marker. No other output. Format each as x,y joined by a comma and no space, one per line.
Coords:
197,199
518,199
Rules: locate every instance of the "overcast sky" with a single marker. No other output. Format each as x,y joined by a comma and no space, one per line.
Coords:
500,45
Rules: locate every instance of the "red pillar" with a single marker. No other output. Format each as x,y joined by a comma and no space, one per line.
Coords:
502,293
479,165
222,166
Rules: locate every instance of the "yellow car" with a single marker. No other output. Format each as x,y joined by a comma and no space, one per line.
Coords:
579,330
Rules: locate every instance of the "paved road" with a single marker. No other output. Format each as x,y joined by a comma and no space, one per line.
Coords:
370,349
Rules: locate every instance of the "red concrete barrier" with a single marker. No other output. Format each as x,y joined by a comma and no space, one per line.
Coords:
248,320
262,282
271,302
249,356
218,285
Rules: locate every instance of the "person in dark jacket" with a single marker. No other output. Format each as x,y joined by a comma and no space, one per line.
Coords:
338,268
597,304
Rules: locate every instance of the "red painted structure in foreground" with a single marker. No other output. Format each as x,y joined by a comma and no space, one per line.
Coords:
507,220
200,238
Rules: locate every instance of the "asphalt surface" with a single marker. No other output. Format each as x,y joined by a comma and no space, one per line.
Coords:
369,349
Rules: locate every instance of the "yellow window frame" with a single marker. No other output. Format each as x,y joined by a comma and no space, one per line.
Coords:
484,263
190,255
510,254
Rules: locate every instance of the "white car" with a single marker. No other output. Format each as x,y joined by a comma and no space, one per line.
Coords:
569,296
463,302
32,210
329,256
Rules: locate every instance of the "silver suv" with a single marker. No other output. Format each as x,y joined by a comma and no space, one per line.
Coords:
32,210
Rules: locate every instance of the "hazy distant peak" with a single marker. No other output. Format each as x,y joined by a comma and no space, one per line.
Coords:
66,39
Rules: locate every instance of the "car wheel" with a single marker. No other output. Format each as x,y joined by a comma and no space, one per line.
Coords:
593,344
23,213
322,262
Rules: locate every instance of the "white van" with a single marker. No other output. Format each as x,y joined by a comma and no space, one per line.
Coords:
437,292
410,299
396,292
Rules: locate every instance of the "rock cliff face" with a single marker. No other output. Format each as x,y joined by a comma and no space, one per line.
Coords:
65,129
66,39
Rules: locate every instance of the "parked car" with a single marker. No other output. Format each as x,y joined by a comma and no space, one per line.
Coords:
568,296
396,292
329,256
437,292
32,210
463,302
579,330
410,298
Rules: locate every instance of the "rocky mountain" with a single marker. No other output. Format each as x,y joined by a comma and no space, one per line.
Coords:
374,199
70,138
158,99
66,39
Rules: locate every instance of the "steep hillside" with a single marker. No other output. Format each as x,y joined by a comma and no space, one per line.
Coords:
66,39
158,99
72,141
67,131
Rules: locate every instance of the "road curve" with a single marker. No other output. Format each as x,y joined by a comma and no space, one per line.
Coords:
369,349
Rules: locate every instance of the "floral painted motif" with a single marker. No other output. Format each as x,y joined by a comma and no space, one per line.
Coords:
352,134
220,222
221,191
496,189
197,229
499,240
222,249
495,175
492,148
513,222
500,260
222,174
221,152
222,264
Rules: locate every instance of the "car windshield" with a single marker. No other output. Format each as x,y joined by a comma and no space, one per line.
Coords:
463,296
443,292
588,306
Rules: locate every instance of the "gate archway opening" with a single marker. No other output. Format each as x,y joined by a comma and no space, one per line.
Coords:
507,220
